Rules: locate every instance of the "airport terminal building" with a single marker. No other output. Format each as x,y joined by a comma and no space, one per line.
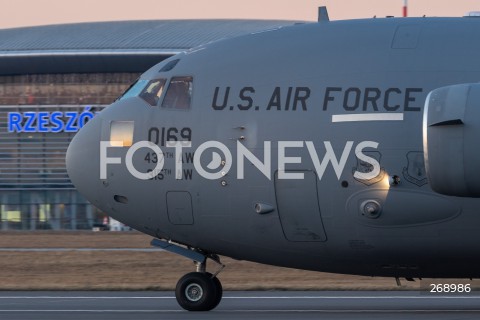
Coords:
53,79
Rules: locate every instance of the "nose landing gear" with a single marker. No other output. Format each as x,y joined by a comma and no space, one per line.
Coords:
200,290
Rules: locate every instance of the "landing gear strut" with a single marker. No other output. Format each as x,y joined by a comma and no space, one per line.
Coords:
200,290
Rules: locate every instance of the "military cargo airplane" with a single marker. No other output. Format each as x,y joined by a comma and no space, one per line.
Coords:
339,146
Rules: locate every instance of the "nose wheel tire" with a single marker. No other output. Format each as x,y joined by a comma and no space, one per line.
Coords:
198,291
219,288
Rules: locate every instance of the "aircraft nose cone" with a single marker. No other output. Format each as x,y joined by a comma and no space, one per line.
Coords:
83,159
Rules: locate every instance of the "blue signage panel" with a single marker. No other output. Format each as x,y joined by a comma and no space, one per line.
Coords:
45,121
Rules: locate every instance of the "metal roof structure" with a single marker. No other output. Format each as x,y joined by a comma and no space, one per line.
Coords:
122,46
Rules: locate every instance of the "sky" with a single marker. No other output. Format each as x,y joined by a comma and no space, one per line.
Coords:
16,13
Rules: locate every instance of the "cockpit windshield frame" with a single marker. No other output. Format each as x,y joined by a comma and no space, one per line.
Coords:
171,94
150,91
179,93
134,89
153,91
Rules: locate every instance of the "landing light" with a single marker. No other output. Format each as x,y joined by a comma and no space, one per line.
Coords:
121,133
385,182
394,180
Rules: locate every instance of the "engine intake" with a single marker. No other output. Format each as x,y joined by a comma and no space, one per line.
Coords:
451,140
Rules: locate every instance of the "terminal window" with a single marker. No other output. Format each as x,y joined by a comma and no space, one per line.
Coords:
59,89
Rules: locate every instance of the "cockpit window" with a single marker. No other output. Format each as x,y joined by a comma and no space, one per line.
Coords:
153,91
179,93
134,90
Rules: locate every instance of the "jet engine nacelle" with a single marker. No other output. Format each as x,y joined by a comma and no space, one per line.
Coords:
451,140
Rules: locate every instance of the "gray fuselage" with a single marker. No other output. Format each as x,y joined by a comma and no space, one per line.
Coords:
322,83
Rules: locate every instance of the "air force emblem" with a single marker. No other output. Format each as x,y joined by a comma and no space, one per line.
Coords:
415,172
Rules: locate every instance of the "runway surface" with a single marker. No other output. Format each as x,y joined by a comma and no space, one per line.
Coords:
240,305
81,249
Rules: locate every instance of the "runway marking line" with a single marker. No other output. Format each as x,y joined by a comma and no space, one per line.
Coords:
326,311
253,311
250,297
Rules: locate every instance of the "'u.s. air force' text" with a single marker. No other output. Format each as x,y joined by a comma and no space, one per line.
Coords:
351,99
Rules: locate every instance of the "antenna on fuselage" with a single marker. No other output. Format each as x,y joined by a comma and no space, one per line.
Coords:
323,14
